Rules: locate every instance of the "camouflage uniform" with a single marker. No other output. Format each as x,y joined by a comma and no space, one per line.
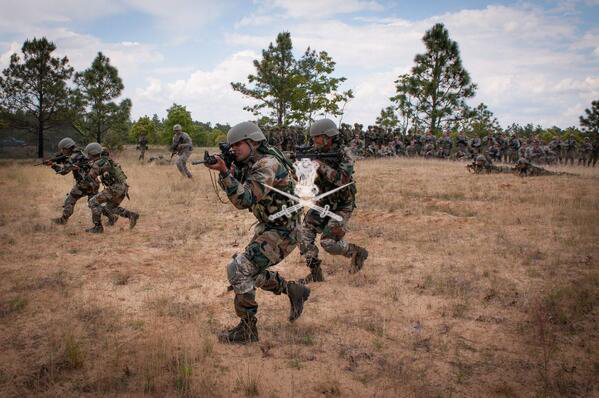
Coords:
183,146
115,190
525,169
586,149
570,150
482,165
142,145
332,174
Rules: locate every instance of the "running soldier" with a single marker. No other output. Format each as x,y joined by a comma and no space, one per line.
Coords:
75,161
182,146
257,165
331,174
115,187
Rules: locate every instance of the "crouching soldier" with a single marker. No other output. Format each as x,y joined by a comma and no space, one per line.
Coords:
257,165
115,187
331,175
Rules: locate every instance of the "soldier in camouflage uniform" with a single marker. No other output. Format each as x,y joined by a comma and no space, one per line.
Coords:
257,164
569,150
183,146
526,169
77,163
446,144
483,165
331,174
142,145
584,155
115,187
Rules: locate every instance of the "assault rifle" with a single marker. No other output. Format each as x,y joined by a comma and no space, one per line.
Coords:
308,152
58,158
225,153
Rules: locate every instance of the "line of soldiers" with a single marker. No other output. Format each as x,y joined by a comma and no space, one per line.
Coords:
378,142
91,168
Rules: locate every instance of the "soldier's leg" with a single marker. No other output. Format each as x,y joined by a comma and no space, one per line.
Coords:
118,194
69,205
312,226
182,163
95,205
333,243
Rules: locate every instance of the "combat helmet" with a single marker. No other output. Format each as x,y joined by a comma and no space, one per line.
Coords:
245,131
523,162
177,127
93,149
324,126
480,160
66,143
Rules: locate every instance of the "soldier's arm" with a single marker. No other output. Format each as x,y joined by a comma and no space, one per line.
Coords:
244,196
340,176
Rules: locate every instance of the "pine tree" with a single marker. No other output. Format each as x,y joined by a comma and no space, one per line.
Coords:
33,91
590,123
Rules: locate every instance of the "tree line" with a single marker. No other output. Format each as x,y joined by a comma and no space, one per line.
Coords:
39,90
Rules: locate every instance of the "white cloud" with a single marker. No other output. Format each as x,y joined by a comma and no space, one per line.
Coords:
207,94
322,8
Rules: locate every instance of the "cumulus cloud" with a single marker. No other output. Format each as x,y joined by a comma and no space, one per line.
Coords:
206,93
322,8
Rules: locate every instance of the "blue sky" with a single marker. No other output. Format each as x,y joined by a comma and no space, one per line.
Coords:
534,61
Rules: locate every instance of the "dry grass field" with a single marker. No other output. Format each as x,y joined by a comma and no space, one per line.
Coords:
476,285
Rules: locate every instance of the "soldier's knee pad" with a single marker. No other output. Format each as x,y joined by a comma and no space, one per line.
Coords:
93,203
332,246
240,273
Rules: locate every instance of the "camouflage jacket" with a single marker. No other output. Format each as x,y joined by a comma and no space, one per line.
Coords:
333,174
79,165
246,190
107,170
181,142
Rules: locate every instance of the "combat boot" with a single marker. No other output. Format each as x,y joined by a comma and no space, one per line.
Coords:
245,332
96,229
133,217
298,294
315,274
60,220
359,255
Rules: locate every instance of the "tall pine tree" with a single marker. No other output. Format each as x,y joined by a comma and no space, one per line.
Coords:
33,91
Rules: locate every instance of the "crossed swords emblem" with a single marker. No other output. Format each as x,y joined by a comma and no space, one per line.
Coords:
306,192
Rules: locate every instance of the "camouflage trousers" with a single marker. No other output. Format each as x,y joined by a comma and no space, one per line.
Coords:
72,198
112,196
182,162
248,270
332,232
142,153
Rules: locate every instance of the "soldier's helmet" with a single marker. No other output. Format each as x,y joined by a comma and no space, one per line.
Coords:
93,149
66,143
177,127
480,160
324,126
245,131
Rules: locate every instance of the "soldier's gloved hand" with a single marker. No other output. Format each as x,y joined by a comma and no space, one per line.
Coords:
218,166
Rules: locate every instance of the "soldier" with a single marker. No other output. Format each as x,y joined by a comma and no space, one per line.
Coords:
462,142
525,169
584,157
115,187
159,160
77,163
142,145
183,146
331,174
515,146
256,165
483,165
556,146
569,150
594,153
446,145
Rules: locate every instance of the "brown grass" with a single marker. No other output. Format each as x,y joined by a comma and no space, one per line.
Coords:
475,286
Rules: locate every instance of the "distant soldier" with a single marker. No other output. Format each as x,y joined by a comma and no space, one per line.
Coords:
115,187
475,146
74,161
482,165
331,175
446,145
526,169
584,155
556,146
570,150
159,160
182,146
462,143
515,146
142,145
594,153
